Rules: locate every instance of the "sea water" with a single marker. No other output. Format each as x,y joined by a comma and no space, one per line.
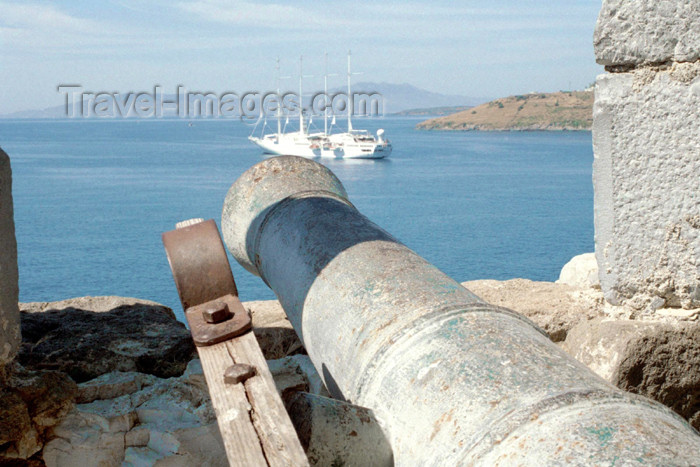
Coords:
92,197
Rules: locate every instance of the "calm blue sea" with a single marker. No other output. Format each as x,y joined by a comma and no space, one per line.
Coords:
92,198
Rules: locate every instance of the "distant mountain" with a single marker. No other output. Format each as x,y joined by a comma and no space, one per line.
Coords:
58,111
397,98
401,97
566,110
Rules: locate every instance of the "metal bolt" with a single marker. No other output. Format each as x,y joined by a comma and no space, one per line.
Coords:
216,312
238,373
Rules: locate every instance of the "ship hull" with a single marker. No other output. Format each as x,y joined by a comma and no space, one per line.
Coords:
294,146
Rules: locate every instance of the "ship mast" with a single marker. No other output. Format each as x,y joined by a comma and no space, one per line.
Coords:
325,98
279,103
350,103
301,98
325,95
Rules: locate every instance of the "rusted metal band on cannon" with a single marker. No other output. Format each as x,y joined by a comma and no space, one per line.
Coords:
205,284
199,263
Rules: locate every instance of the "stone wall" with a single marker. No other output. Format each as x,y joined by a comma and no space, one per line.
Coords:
9,290
646,142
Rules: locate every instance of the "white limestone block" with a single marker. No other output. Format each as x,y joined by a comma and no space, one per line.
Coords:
646,176
581,271
632,32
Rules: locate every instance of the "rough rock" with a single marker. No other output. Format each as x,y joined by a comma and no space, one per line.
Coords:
111,386
334,432
660,360
632,32
645,174
556,308
201,445
9,290
15,422
97,304
91,336
144,420
294,374
32,403
580,271
273,330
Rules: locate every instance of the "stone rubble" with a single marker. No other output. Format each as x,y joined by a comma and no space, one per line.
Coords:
32,403
141,420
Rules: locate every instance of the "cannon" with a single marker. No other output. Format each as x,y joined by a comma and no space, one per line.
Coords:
451,379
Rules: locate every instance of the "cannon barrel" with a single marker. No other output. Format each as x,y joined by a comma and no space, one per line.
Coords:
452,379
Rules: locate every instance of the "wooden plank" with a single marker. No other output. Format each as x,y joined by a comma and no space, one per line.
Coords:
254,424
270,418
232,409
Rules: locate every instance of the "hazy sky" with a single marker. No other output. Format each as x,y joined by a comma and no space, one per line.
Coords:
483,49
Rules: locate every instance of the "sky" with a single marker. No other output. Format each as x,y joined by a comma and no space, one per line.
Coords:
472,48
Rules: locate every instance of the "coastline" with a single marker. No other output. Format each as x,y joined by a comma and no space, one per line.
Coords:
503,130
558,111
